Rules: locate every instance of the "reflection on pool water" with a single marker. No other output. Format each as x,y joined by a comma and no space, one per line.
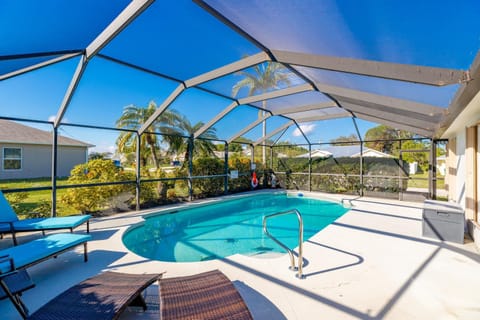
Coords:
228,227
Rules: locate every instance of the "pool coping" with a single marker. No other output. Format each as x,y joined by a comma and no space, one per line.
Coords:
372,263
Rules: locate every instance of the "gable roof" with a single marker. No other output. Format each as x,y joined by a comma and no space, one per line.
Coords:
344,151
372,153
14,132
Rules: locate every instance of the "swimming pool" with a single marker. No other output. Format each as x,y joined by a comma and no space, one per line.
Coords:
228,227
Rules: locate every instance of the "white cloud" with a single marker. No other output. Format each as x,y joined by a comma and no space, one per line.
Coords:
306,128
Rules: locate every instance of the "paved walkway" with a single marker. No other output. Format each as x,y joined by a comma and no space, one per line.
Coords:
372,263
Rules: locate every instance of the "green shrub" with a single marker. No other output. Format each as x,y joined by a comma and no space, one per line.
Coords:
15,200
42,210
206,167
101,198
242,183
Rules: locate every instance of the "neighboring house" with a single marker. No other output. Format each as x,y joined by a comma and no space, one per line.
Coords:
26,152
345,151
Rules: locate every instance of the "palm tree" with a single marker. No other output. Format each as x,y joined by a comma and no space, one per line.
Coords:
133,117
200,147
265,77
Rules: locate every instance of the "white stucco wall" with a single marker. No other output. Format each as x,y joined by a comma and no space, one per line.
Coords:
461,169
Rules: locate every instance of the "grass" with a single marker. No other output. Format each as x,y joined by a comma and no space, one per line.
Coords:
420,180
36,197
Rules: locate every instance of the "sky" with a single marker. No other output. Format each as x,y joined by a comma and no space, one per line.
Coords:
181,40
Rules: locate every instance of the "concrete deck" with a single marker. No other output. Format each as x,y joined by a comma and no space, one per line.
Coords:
372,263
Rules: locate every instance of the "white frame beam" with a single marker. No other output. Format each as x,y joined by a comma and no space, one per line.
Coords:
82,65
217,118
359,97
274,132
310,107
394,71
276,94
419,122
228,69
38,65
248,128
324,117
134,9
394,124
463,97
166,103
251,99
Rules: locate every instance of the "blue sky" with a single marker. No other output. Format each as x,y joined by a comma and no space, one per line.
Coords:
182,40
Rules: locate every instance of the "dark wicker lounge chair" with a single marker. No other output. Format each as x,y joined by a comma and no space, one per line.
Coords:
102,297
207,296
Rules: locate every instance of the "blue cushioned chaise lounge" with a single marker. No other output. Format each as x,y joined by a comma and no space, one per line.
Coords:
9,222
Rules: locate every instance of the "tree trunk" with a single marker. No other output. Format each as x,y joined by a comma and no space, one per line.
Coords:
154,156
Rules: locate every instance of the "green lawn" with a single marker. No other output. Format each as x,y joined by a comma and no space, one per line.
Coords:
35,197
419,180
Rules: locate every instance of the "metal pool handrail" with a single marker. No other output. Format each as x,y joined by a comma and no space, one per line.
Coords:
300,240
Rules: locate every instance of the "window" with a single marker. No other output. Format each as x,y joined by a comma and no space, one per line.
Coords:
12,158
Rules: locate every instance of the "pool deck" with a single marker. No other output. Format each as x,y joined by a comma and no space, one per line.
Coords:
371,263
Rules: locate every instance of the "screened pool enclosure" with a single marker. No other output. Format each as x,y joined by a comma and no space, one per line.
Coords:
178,100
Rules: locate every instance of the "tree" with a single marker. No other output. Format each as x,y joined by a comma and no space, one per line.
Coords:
349,138
265,77
291,150
386,134
133,117
422,158
232,147
201,147
99,155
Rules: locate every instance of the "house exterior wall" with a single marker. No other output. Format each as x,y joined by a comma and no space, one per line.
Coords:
37,161
474,228
451,172
471,173
459,196
464,165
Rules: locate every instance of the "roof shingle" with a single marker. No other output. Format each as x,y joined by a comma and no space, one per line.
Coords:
13,132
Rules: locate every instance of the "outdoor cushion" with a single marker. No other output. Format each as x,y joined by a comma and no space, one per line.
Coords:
10,223
6,211
50,223
32,252
5,227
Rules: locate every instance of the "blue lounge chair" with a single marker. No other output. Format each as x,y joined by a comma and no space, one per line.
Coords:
38,250
9,222
14,260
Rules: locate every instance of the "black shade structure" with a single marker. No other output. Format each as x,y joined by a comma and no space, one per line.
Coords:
344,61
343,79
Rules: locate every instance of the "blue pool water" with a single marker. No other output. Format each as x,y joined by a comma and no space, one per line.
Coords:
228,227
